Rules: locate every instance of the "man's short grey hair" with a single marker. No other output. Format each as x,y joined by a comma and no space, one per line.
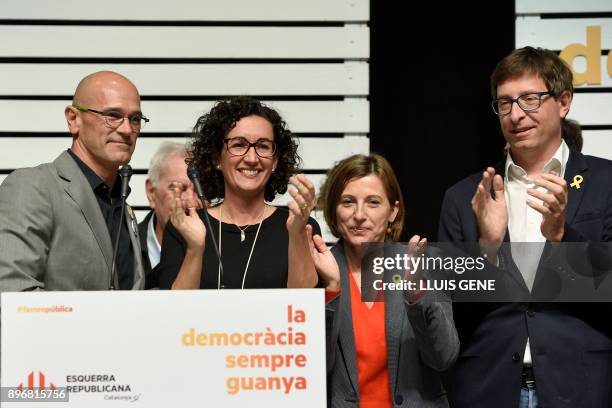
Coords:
158,161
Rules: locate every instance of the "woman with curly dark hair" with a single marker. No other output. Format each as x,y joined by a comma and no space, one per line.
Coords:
246,156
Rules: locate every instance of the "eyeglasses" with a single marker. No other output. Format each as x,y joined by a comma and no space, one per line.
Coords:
114,118
239,146
527,102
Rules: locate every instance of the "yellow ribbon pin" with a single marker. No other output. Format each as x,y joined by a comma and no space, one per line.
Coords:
578,179
131,212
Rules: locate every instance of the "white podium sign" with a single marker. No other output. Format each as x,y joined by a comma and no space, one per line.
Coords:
200,348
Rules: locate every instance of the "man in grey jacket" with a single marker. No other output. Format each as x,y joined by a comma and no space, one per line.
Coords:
59,220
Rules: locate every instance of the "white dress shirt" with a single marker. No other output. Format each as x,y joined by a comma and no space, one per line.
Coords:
527,241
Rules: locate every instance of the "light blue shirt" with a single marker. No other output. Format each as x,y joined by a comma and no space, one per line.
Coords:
153,245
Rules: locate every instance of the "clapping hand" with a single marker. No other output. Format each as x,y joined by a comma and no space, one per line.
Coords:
490,212
302,203
325,263
416,248
554,203
184,217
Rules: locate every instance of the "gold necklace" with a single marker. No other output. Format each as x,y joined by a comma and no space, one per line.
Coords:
242,234
242,230
246,268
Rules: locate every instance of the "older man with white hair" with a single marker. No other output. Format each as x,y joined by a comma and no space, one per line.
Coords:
167,171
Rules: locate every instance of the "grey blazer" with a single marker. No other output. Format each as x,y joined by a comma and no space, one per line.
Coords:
421,342
52,232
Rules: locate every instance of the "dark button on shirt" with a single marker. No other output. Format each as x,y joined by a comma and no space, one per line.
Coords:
109,201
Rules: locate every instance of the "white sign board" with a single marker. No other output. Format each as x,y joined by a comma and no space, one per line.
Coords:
204,348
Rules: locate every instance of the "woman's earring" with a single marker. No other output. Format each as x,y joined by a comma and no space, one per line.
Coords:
389,230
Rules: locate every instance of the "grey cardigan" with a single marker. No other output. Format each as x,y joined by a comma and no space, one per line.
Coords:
421,342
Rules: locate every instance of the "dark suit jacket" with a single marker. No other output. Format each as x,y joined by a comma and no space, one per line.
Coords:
151,278
570,343
421,341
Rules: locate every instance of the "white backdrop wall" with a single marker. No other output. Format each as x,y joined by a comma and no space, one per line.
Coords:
308,59
562,25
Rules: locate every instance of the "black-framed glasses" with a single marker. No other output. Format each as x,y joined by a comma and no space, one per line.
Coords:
114,118
527,102
239,146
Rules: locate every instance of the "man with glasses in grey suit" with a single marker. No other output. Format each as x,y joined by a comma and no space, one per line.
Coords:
59,220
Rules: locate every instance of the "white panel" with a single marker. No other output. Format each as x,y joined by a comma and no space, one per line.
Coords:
188,10
316,153
184,42
349,116
325,152
562,6
194,79
31,151
138,196
317,215
325,233
598,143
592,108
556,34
317,180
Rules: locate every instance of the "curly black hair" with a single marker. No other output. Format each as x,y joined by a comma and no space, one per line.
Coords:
211,129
